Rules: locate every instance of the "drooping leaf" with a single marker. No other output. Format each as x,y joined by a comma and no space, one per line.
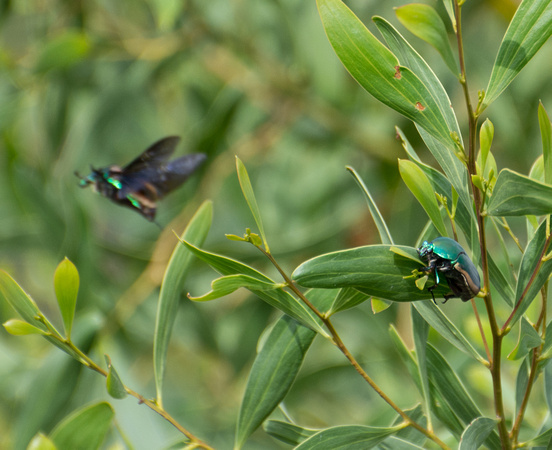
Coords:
529,29
348,436
66,284
115,386
385,235
419,185
85,429
171,290
230,283
441,323
278,298
379,71
373,270
423,21
272,374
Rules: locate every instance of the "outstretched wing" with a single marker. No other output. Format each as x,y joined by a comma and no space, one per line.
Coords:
154,155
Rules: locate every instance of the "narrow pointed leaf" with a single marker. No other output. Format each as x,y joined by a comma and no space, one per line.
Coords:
518,195
522,381
85,429
420,332
230,283
475,434
444,154
419,185
272,374
249,195
379,71
287,432
385,235
486,134
542,440
171,290
546,136
18,299
66,284
346,299
348,436
278,298
529,29
423,21
441,323
528,287
373,270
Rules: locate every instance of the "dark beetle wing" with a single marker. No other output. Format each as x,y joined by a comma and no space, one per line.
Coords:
155,155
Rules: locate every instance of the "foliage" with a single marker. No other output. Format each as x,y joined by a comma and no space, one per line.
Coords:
110,76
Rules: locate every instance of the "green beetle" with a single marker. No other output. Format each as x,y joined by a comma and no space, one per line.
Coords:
447,257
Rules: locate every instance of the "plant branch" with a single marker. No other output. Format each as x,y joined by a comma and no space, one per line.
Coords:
343,348
496,333
88,362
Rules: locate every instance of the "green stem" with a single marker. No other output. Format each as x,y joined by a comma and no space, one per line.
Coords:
496,334
88,362
343,348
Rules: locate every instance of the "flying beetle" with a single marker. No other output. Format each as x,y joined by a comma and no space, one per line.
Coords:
145,180
447,257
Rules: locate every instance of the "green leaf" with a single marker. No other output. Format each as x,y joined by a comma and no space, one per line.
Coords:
41,442
546,136
287,432
529,29
419,185
230,283
272,374
420,332
385,235
444,154
440,323
452,391
66,285
16,297
522,381
528,340
378,71
85,429
115,386
21,328
279,299
379,305
542,440
424,22
373,270
346,298
348,436
518,195
486,134
476,432
528,287
249,195
178,267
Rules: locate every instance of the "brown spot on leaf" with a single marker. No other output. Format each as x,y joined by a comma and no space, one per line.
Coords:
398,75
419,106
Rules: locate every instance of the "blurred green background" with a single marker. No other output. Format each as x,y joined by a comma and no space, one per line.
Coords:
95,83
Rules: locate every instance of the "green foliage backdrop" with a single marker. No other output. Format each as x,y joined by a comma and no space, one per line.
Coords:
94,83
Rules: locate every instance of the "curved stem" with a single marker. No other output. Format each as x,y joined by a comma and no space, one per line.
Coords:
343,348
